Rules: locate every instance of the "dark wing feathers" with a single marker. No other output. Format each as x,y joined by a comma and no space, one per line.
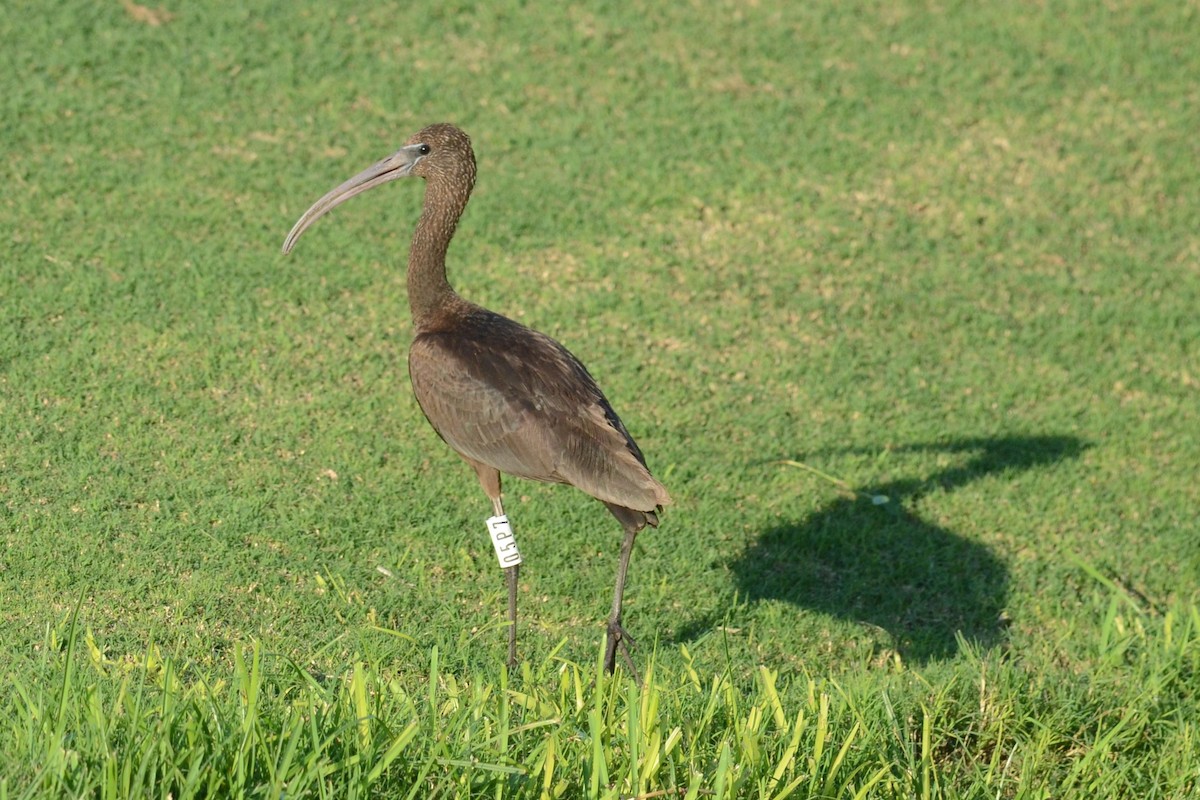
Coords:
512,398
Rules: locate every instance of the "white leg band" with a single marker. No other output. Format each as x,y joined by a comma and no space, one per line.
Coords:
504,541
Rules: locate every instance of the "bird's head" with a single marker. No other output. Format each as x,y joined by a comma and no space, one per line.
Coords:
439,153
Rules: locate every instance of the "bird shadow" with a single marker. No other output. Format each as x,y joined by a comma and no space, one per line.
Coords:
882,565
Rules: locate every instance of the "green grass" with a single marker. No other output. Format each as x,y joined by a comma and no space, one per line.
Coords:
946,255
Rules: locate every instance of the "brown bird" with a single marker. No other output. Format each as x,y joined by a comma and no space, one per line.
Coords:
506,398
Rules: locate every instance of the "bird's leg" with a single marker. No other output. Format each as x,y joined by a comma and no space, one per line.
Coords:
506,548
511,574
617,637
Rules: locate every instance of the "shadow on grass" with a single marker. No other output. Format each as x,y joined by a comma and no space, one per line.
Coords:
884,566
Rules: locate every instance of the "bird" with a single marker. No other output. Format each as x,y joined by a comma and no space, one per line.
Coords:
508,399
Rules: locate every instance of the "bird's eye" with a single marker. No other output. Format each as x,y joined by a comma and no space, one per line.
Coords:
423,149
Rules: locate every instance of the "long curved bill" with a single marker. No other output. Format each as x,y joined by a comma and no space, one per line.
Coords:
397,165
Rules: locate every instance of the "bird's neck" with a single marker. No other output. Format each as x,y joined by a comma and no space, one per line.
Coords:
430,296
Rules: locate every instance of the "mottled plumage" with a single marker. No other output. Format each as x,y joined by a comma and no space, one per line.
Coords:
507,398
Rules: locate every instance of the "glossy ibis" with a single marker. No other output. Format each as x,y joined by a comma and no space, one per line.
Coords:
506,398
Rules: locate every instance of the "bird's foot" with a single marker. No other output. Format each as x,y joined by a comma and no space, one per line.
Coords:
619,639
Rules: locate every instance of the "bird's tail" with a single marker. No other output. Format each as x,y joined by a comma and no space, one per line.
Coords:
632,519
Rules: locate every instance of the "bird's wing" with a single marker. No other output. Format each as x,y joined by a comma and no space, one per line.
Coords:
515,399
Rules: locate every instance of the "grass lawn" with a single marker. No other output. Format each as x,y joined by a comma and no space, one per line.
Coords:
902,302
